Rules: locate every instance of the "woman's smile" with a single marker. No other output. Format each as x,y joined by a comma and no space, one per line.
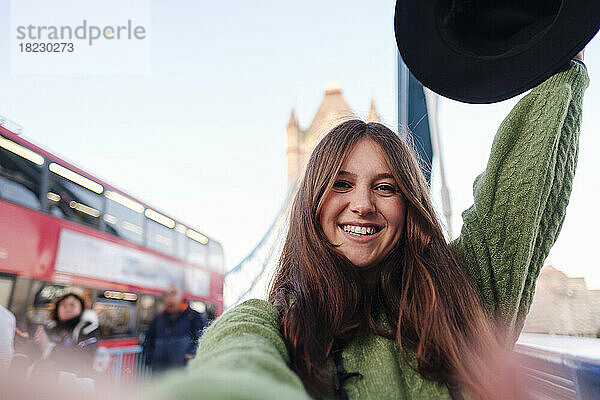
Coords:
361,233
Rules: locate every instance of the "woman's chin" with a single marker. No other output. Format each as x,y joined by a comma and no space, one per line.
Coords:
360,258
362,262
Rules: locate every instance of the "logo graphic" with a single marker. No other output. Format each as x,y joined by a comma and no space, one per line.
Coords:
80,36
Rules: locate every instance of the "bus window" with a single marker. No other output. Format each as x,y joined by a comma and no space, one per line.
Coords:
19,177
215,257
159,237
146,310
181,242
124,217
198,253
41,296
6,285
21,296
73,201
115,317
40,306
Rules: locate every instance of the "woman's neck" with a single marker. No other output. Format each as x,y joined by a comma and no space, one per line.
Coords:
369,276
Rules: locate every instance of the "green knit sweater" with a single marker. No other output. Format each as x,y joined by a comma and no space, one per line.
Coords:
519,207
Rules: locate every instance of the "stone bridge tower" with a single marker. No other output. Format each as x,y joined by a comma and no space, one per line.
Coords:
332,111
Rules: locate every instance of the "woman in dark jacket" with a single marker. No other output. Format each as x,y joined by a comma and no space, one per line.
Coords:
69,341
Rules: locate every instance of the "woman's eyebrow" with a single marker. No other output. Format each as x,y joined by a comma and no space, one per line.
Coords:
383,175
346,173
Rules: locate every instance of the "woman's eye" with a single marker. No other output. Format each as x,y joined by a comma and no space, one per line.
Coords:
385,189
341,185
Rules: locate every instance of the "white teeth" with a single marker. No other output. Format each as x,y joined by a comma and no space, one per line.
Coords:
359,230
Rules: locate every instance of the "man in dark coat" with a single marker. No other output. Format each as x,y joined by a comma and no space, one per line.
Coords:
172,337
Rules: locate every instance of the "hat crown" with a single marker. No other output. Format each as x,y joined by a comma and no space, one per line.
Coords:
541,7
494,27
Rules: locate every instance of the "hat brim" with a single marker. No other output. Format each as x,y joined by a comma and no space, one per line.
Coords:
471,78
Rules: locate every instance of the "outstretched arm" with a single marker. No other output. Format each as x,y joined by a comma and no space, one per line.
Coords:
521,197
240,356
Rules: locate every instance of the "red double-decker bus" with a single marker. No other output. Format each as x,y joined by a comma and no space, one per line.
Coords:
62,229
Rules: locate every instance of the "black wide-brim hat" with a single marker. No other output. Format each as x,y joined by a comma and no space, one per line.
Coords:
484,51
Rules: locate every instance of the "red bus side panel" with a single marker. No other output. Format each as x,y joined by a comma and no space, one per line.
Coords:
27,241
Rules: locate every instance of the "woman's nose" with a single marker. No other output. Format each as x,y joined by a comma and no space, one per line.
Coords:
362,202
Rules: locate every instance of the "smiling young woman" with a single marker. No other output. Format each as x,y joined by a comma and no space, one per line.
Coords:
369,299
399,279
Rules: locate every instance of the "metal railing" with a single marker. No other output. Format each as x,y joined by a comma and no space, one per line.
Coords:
560,373
122,365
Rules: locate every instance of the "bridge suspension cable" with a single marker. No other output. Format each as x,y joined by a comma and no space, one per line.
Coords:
250,279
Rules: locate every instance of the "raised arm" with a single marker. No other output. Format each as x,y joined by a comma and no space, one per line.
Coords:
521,197
240,356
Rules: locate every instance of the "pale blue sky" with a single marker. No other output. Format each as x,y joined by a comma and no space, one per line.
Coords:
202,137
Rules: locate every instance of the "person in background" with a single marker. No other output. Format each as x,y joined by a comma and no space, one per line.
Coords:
69,341
172,337
7,335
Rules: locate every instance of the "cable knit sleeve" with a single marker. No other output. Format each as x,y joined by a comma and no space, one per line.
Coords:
240,356
521,197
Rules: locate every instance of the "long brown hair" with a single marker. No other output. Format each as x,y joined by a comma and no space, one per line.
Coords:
420,288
